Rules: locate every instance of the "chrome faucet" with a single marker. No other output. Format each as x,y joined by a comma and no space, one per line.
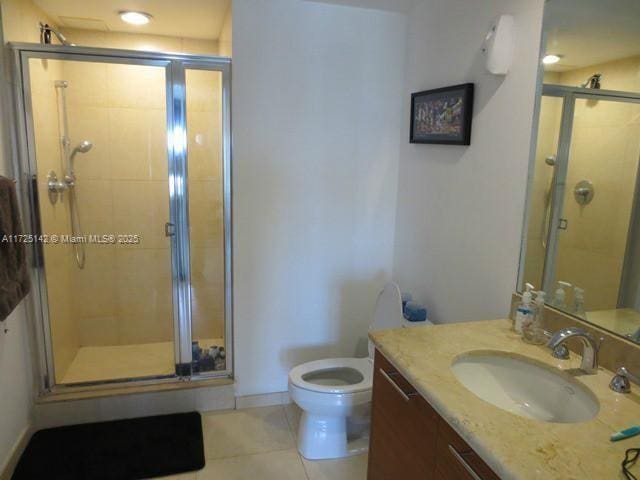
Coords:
590,348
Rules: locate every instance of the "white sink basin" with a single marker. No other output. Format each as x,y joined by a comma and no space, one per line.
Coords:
525,387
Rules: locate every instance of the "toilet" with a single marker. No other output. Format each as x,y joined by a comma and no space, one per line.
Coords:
335,393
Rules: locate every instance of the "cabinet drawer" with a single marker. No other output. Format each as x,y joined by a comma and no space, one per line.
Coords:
381,363
403,430
456,460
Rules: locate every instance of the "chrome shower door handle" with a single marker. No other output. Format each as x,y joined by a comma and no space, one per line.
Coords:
169,229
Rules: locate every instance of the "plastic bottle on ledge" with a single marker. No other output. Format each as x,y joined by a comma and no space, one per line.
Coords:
533,331
560,297
524,312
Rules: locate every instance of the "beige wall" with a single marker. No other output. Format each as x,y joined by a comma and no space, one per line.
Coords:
623,74
130,41
226,34
605,150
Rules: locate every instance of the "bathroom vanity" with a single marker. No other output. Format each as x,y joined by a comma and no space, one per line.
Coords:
428,420
409,436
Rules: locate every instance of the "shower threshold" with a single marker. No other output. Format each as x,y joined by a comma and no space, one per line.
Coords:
105,363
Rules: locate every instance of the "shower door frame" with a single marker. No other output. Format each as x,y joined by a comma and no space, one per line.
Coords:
569,95
177,158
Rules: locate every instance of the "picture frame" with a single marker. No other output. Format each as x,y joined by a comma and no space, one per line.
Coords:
442,115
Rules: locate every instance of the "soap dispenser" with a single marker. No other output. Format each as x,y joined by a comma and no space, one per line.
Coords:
578,302
524,312
560,297
533,330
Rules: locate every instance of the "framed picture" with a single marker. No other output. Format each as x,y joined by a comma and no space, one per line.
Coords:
442,115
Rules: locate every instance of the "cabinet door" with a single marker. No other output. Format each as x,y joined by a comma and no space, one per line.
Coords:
403,428
456,460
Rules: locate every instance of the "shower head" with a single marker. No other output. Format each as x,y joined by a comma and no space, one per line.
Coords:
83,147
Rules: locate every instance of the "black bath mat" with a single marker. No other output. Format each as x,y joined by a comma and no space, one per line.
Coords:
119,450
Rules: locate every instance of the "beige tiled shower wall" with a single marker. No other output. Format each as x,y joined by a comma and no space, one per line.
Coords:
124,291
605,150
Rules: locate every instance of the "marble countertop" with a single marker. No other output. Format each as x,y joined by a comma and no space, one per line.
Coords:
514,447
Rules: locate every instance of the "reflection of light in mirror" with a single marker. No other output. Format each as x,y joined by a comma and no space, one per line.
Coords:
551,59
135,18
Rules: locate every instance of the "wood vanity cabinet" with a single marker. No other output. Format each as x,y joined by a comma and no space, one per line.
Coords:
409,440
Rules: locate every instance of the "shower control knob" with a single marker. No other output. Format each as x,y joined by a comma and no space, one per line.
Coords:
54,185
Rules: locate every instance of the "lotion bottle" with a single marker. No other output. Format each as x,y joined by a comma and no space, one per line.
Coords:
524,312
533,330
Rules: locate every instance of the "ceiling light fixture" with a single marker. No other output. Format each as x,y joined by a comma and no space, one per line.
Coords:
551,59
134,18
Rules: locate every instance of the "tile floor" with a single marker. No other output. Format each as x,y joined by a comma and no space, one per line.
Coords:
93,364
259,443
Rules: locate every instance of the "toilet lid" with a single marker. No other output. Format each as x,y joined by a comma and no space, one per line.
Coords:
388,313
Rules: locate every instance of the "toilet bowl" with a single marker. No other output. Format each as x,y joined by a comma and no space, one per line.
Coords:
335,393
335,396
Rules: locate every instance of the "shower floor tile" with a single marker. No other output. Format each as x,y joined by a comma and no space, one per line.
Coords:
94,364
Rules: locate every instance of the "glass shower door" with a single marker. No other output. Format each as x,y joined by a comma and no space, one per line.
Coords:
99,134
209,197
540,208
125,157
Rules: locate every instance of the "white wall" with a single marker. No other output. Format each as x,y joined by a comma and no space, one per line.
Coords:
16,374
16,381
460,209
316,122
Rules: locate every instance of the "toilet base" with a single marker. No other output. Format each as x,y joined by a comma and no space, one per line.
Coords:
324,436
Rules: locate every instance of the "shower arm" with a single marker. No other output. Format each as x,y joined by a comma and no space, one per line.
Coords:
44,27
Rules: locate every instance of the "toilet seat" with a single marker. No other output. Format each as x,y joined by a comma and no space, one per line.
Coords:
334,375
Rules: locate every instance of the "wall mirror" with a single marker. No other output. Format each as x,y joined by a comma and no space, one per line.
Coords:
581,236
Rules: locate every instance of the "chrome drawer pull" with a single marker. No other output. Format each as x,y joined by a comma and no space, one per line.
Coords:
464,463
395,385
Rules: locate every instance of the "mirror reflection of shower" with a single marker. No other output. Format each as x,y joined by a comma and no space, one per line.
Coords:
68,157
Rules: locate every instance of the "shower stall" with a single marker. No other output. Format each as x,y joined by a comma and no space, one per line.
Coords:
582,226
125,170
